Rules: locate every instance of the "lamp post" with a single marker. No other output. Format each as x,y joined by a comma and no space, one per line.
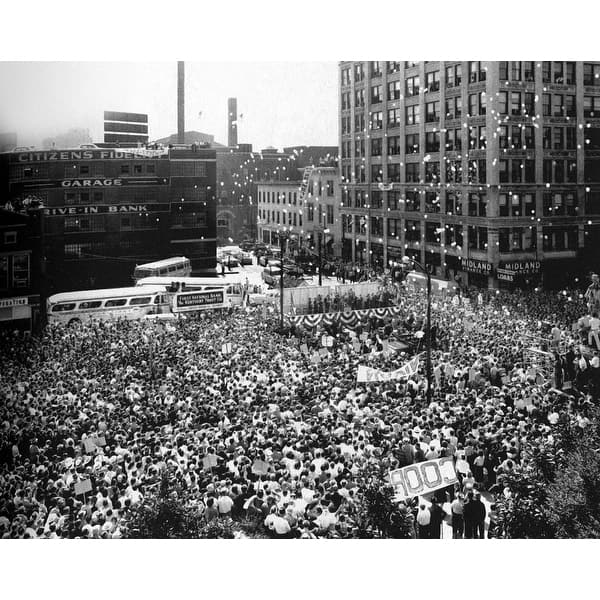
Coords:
283,236
409,261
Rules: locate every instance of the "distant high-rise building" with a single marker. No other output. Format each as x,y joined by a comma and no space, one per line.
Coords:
126,129
232,123
180,102
488,172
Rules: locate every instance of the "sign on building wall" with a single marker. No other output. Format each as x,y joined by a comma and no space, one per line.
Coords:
472,265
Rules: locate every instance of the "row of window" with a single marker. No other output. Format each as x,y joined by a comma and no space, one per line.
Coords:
557,72
279,218
510,239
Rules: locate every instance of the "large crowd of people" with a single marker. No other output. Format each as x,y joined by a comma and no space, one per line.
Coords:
249,423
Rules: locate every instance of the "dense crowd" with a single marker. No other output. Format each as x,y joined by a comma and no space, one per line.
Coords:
350,301
119,405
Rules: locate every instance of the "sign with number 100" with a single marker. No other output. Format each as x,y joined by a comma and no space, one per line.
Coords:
423,478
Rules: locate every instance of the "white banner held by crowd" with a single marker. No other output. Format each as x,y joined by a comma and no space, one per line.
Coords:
366,374
423,478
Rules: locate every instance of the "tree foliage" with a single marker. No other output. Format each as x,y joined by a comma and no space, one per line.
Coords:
379,514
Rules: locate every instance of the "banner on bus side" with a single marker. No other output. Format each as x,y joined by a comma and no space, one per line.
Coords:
423,478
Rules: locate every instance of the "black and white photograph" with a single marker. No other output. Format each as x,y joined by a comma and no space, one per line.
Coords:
253,299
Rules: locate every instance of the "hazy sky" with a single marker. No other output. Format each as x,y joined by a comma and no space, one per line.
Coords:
282,103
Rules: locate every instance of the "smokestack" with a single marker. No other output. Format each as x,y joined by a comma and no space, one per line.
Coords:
232,139
180,102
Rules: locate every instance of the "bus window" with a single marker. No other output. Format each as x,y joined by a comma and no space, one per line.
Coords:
137,301
117,302
63,307
91,304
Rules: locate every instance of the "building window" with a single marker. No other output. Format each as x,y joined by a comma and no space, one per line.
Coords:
20,270
412,115
412,86
394,228
529,70
591,74
454,203
453,171
413,202
375,68
432,233
453,107
412,231
376,174
515,103
359,73
359,98
329,210
515,73
346,76
432,202
432,172
570,78
394,90
377,120
546,105
432,81
125,169
432,111
4,272
432,141
412,172
393,115
453,139
591,106
503,70
476,72
528,137
412,143
546,71
394,200
376,94
393,66
503,103
394,172
453,76
393,147
10,237
557,105
558,71
570,106
345,100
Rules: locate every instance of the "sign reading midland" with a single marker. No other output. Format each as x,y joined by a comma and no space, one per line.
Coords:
472,265
201,300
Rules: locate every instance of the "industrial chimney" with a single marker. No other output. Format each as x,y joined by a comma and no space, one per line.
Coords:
180,102
232,139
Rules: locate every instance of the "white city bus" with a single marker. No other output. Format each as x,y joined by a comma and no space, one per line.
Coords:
108,304
231,282
177,266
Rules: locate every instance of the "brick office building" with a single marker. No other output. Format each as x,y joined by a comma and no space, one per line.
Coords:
489,171
108,209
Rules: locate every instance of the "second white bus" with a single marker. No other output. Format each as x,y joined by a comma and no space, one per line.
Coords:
177,266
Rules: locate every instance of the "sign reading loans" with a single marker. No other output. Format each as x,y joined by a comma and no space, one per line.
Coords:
201,300
423,478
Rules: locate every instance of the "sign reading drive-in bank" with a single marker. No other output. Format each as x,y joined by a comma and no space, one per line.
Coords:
200,300
423,478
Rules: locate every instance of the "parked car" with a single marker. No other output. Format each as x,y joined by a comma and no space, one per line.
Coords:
247,258
271,274
248,245
266,297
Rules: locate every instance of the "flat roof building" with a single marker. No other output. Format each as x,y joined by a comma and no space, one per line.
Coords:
107,209
488,172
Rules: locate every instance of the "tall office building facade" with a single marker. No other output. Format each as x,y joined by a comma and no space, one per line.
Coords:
486,172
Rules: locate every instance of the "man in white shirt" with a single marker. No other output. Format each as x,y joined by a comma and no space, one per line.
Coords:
423,521
224,503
